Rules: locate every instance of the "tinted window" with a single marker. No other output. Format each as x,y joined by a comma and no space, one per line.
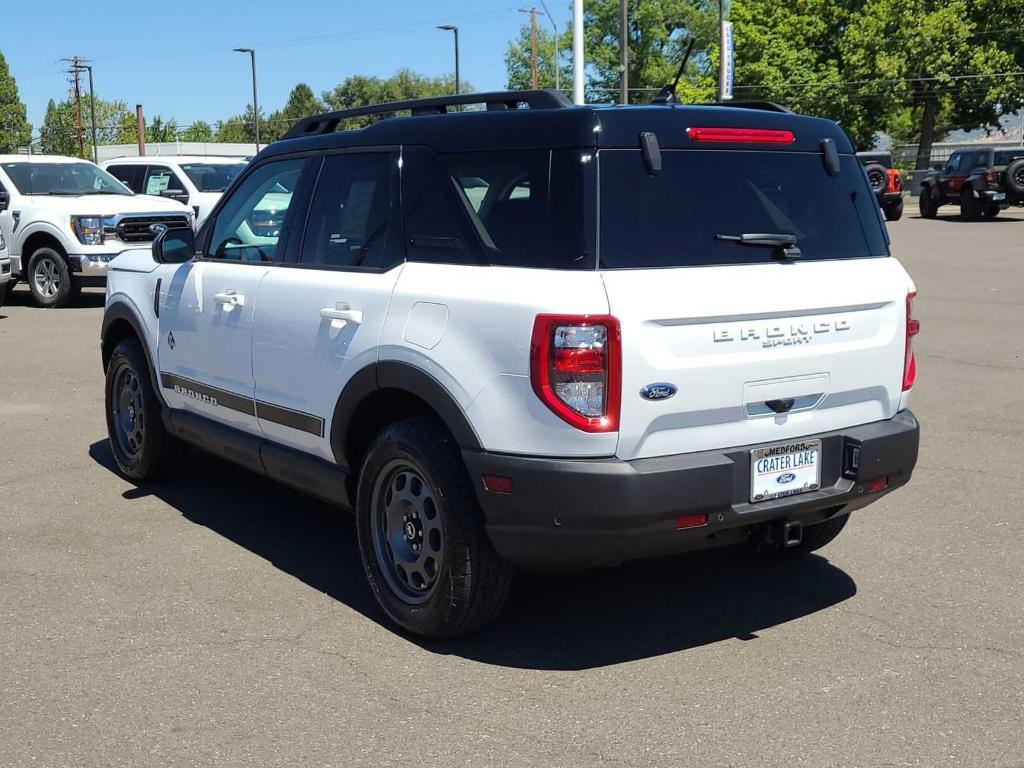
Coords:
130,175
71,179
527,206
954,161
160,178
253,219
670,219
212,177
350,218
1007,156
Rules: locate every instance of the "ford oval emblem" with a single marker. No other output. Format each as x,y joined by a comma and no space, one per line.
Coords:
787,477
660,391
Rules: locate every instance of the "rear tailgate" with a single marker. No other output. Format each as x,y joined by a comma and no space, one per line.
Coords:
735,341
760,342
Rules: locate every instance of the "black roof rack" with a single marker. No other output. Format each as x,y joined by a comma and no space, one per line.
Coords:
438,105
766,106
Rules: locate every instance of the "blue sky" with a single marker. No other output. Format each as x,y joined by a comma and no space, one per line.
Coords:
178,61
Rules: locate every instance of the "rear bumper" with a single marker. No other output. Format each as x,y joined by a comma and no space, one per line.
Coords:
570,514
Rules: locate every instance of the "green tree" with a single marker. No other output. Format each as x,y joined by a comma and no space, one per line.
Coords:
302,102
59,131
519,60
362,90
240,128
659,32
198,131
15,130
157,130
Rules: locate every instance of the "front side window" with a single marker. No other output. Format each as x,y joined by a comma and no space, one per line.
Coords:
954,162
67,179
252,221
350,221
212,177
160,178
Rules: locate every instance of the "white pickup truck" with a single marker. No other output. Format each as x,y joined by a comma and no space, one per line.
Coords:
64,219
196,181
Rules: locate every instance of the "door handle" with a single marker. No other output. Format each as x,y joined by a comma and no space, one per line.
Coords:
343,314
230,299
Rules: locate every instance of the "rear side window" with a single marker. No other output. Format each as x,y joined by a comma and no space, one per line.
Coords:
1005,157
518,208
684,215
350,219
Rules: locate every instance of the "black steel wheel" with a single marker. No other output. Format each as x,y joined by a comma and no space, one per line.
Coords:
427,557
142,447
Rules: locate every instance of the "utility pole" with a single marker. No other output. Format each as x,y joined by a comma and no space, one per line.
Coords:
77,72
78,65
577,52
140,130
533,43
623,51
557,62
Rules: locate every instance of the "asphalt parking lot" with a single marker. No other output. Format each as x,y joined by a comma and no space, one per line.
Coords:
223,620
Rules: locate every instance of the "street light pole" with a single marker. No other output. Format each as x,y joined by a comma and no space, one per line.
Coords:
255,103
577,51
453,28
623,52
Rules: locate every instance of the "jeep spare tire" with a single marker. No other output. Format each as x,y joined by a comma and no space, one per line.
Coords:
878,176
1014,176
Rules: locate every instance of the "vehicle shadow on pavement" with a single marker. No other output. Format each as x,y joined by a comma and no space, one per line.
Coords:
553,622
954,218
88,298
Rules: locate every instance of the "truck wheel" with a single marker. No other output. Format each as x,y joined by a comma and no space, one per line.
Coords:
814,537
1014,177
878,176
422,541
927,204
991,210
50,279
894,212
142,447
970,206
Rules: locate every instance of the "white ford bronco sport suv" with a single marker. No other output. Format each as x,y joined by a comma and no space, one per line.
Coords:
523,337
197,181
64,219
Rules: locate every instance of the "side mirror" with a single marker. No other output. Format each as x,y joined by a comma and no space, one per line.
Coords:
5,200
173,246
175,194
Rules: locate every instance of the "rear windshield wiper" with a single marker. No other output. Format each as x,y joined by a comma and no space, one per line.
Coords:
777,241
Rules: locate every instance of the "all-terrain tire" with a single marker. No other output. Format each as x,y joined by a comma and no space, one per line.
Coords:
413,471
894,212
970,206
927,204
143,448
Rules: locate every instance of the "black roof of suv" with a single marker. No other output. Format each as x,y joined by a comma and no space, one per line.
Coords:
549,121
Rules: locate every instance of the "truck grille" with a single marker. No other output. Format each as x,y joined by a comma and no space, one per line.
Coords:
135,229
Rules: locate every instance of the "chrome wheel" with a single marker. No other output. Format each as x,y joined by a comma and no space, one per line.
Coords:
47,278
126,407
406,530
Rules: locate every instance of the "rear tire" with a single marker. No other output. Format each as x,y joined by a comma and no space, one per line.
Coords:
991,210
422,540
143,449
927,204
970,206
50,280
3,294
814,537
894,212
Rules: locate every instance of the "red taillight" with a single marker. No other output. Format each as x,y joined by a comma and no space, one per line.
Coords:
741,135
990,179
576,369
690,521
498,484
913,328
895,181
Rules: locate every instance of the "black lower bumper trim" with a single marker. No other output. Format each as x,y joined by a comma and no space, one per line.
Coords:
577,513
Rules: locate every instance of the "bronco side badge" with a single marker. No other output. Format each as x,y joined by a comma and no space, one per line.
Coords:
660,391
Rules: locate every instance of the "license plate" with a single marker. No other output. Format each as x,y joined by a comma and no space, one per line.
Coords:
999,196
785,470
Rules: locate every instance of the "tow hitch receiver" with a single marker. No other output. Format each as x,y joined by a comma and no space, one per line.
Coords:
784,533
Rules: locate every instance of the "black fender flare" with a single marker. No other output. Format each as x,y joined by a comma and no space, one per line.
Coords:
122,311
407,378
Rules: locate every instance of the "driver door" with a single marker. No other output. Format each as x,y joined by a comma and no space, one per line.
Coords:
207,305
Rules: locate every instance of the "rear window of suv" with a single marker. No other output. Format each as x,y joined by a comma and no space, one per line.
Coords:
676,218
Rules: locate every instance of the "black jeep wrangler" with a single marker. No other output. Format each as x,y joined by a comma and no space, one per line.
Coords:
981,181
885,181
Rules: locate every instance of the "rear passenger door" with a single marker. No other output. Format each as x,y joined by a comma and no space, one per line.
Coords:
319,319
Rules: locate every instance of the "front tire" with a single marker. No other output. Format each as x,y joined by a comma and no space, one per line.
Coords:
50,280
143,449
422,541
927,204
